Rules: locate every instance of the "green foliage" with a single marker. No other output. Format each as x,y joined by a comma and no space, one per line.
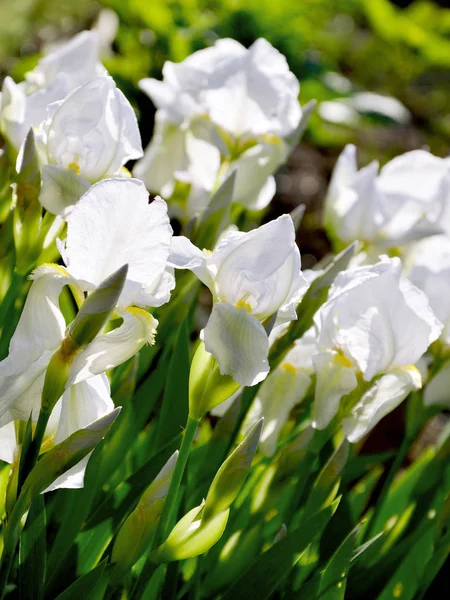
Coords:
317,520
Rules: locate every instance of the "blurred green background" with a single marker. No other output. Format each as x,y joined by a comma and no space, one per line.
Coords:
337,49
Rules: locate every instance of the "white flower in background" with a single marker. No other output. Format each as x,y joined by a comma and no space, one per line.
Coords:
428,267
254,186
408,200
375,324
246,93
286,386
88,136
251,276
114,224
242,104
24,105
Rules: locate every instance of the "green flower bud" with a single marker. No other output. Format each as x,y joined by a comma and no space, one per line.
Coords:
232,474
207,387
97,308
28,209
94,314
136,533
191,536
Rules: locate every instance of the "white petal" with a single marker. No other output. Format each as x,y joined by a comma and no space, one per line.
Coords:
377,319
414,175
113,225
203,162
41,326
428,268
254,94
115,347
437,390
130,145
77,59
355,206
184,255
61,189
159,292
254,167
335,378
165,155
92,130
280,392
71,479
37,336
13,113
258,268
239,343
82,404
8,443
21,385
385,395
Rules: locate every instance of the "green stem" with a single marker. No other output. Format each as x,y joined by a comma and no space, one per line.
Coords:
170,504
170,501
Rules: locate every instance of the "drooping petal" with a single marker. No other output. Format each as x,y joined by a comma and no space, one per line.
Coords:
385,395
335,377
113,225
184,255
41,326
21,386
239,343
72,479
115,347
8,443
38,334
82,404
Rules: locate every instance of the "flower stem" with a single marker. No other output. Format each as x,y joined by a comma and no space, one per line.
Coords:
170,502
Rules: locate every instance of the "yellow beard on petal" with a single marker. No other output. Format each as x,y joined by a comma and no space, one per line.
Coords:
75,167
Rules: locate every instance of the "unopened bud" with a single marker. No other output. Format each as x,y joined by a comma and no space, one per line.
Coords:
136,533
191,536
28,209
93,315
231,476
97,308
207,387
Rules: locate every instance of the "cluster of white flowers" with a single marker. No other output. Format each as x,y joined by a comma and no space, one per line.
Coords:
223,110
